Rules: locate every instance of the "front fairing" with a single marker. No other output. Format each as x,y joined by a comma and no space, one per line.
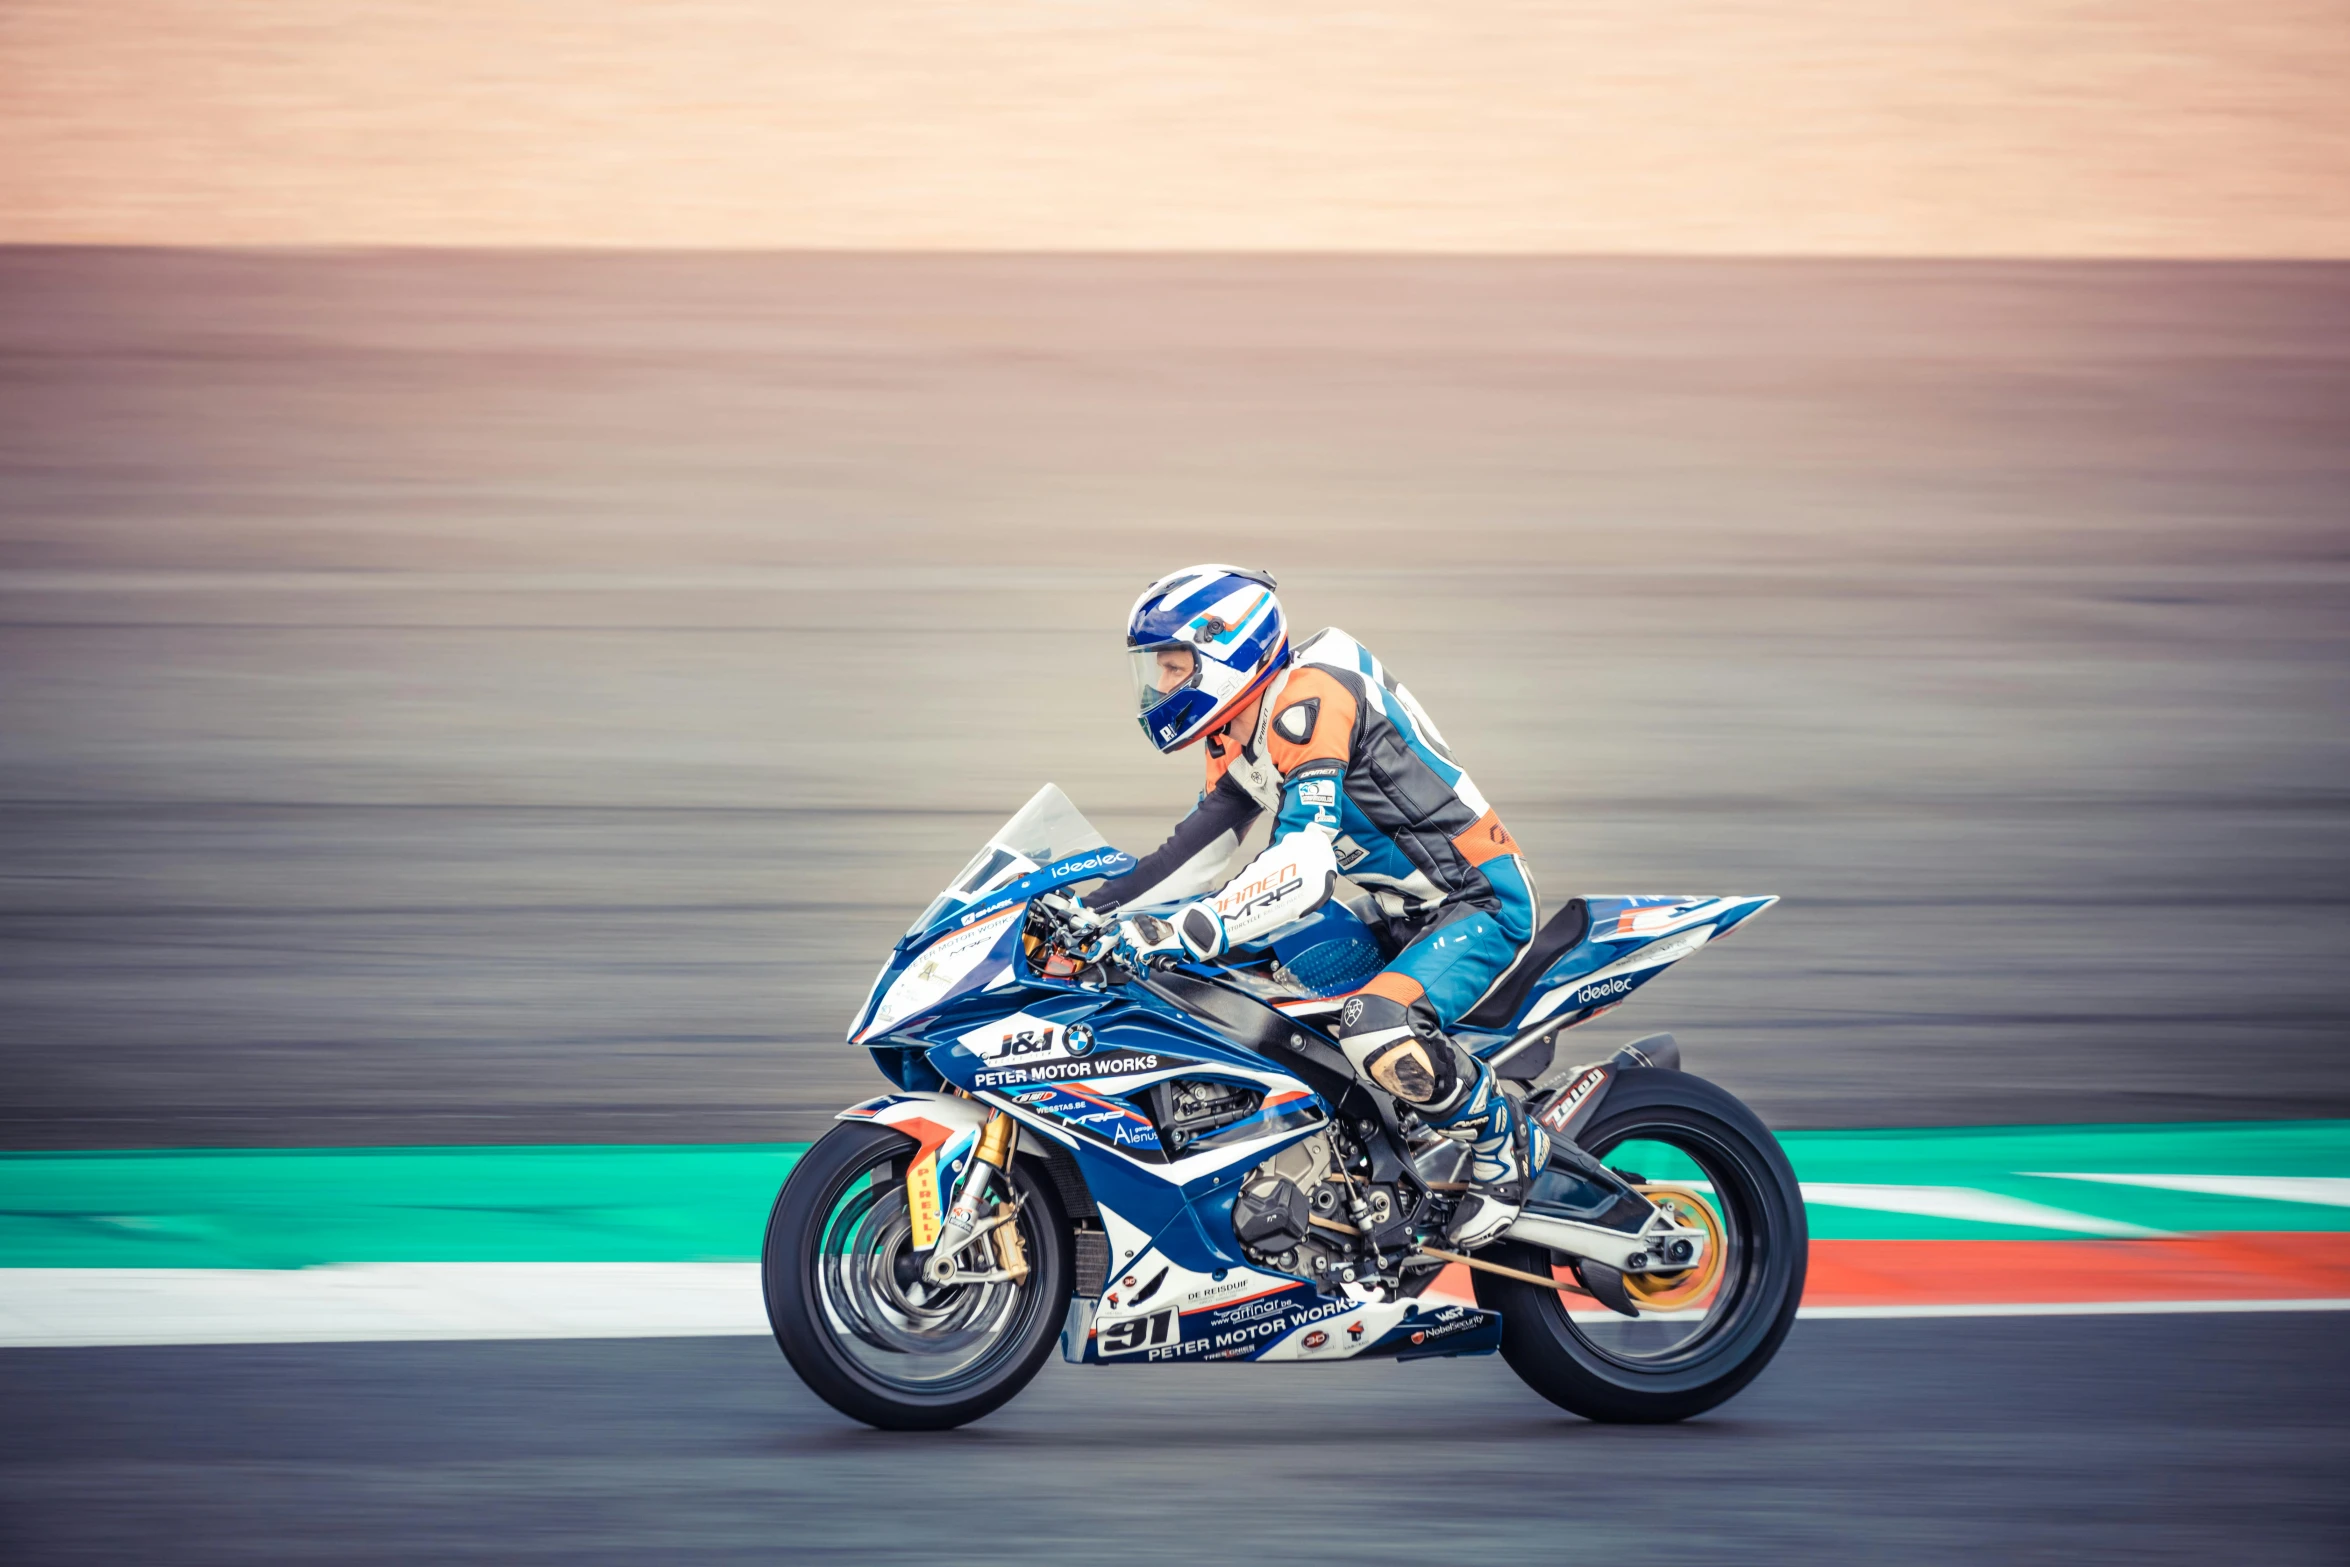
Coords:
969,950
968,937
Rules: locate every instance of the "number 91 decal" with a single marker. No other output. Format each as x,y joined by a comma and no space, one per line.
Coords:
1124,1338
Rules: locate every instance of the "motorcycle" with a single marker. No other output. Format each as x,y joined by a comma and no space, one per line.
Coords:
1155,1165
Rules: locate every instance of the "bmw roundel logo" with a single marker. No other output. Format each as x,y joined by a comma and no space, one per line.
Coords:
1079,1040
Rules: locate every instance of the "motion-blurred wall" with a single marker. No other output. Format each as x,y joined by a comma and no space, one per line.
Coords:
1996,128
491,697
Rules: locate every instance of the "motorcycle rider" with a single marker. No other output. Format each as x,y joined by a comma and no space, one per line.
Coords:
1361,784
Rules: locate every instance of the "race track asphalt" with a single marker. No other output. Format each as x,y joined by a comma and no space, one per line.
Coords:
2189,1439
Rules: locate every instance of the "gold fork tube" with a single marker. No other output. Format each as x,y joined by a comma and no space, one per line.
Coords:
995,1140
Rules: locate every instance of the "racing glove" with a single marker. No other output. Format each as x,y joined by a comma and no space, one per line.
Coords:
1141,939
1197,932
1201,930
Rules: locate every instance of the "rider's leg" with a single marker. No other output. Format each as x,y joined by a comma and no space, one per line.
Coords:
1393,1034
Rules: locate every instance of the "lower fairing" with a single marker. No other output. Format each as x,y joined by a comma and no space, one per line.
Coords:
1157,1313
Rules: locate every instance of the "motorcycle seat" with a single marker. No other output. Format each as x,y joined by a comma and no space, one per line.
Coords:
1559,934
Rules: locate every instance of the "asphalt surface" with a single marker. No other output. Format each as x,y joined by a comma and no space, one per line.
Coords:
519,698
2144,1440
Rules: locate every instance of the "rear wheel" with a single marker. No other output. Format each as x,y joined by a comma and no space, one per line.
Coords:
1709,1332
856,1320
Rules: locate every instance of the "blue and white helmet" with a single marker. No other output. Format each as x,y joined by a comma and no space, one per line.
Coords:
1203,641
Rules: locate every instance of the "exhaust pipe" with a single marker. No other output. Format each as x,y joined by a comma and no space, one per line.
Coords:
1657,1050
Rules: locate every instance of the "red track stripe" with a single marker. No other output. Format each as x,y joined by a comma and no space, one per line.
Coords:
2311,1266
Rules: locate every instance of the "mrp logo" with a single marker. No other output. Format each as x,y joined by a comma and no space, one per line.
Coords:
1234,902
1563,1110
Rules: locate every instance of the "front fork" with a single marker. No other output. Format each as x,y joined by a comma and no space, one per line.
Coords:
971,1216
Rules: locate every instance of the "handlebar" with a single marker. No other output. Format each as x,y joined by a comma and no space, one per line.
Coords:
1078,933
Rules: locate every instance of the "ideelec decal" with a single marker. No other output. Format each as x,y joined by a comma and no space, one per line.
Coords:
1607,990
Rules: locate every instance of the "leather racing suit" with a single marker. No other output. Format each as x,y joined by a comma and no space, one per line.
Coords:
1362,785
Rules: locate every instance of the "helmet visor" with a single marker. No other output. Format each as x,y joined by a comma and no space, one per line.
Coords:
1162,670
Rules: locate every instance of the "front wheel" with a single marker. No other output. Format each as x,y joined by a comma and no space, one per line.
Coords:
856,1320
1700,1338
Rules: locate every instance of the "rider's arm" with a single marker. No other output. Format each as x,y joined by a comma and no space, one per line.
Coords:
1308,742
1186,864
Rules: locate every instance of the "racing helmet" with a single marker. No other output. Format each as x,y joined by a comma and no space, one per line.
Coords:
1202,641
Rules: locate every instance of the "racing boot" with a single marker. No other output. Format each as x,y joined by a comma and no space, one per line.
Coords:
1507,1149
1399,1046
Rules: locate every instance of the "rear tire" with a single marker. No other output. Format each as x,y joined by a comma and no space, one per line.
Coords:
1762,1281
817,1291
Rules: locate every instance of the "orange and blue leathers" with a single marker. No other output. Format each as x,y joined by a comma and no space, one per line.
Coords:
1341,749
1362,785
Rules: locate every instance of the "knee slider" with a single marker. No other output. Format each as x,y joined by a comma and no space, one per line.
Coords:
1400,1049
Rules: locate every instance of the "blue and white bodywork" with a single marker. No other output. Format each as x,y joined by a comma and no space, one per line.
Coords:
1162,1099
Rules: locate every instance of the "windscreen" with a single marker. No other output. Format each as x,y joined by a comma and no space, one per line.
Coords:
1046,829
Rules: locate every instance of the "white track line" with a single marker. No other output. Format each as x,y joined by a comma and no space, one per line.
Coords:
392,1301
1966,1203
2326,1191
379,1301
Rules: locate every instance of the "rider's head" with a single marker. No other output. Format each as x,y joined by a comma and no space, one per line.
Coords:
1203,640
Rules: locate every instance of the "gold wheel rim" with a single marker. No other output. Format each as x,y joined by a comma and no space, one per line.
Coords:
1670,1291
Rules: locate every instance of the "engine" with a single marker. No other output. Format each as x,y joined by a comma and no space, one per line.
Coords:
1296,1210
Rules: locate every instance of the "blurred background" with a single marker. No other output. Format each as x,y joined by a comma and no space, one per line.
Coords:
534,534
532,537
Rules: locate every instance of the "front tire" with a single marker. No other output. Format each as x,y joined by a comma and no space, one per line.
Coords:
1604,1370
874,1342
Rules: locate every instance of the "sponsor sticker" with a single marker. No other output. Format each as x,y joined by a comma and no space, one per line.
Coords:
1605,990
922,1200
1100,1119
1138,1333
1229,1332
1114,1063
1562,1110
